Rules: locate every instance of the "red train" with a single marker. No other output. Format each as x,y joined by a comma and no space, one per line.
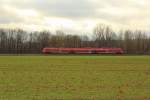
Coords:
82,51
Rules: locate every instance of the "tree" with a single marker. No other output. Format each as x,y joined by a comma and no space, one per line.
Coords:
43,39
104,36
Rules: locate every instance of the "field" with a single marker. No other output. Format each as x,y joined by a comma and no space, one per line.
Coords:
74,77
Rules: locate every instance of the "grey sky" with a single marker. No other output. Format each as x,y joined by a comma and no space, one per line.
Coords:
74,15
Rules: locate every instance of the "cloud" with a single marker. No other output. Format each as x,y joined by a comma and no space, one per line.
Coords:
75,15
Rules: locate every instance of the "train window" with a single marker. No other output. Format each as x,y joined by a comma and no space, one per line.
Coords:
93,51
109,51
72,52
103,51
83,51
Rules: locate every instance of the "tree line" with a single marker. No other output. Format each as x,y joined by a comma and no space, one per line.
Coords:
18,41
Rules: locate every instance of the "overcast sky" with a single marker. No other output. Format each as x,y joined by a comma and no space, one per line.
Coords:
74,16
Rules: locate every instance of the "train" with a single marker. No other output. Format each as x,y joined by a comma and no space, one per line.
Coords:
82,51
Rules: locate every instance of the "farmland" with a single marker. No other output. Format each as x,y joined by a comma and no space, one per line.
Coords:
74,77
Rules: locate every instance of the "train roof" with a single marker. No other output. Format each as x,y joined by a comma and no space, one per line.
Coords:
82,48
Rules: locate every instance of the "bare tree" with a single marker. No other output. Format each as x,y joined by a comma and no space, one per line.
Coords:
43,39
104,36
20,41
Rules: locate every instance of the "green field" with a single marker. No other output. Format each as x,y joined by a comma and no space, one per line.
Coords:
74,77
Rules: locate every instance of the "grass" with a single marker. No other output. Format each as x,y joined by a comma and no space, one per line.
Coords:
74,77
